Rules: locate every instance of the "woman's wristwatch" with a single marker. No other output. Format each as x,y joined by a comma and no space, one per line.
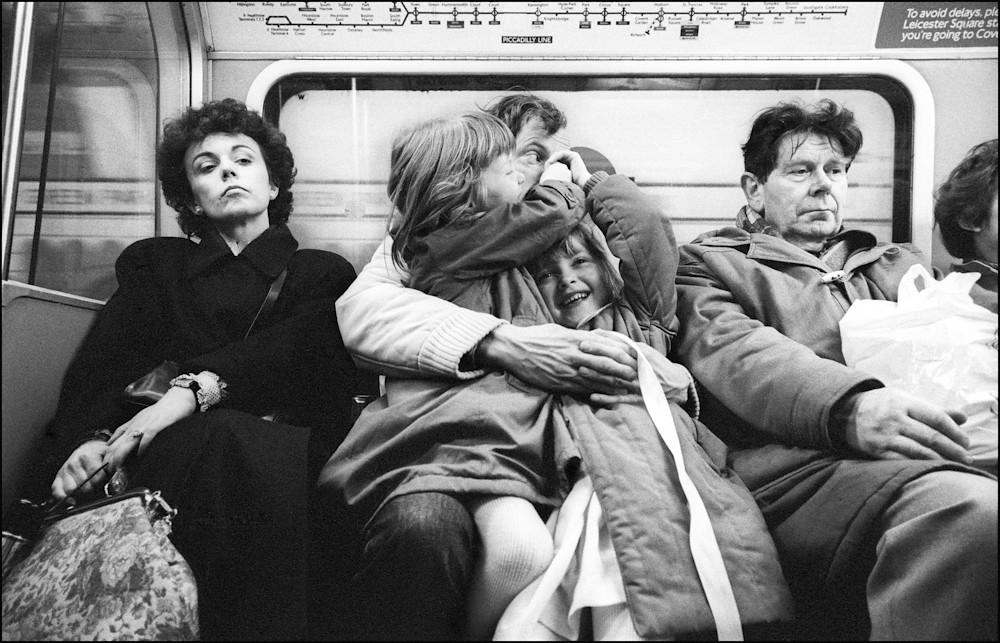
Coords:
207,387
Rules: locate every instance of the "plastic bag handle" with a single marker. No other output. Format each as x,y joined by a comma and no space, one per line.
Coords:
908,285
956,286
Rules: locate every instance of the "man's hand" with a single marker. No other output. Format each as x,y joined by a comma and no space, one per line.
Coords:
675,380
81,464
563,360
890,424
572,160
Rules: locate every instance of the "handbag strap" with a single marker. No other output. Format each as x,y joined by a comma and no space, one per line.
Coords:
272,296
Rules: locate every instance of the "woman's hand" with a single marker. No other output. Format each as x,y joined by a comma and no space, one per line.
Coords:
176,404
575,163
81,464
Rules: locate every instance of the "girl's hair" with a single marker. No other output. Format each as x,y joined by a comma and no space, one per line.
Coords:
435,172
583,236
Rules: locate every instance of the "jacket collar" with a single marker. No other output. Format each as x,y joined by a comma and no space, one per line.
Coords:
862,247
987,272
976,265
269,253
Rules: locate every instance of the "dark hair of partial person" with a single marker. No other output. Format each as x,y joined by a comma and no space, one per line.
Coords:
581,236
825,118
517,109
227,116
965,199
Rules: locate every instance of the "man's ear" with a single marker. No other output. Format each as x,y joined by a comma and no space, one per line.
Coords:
754,191
967,226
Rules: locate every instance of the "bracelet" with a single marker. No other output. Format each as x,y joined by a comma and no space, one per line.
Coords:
207,387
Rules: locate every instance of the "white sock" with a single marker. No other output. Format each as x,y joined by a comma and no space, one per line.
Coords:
613,623
516,549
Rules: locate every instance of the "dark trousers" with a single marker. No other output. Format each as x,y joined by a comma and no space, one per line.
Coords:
418,559
239,486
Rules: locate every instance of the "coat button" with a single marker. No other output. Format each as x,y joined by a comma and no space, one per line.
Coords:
830,277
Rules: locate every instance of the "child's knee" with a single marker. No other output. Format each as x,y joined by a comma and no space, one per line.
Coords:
516,543
526,554
537,551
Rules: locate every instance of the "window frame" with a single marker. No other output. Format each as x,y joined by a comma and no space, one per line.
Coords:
917,228
157,79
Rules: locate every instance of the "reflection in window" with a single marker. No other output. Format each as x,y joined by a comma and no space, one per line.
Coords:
87,173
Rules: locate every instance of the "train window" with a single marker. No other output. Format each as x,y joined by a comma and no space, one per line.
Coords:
87,184
678,137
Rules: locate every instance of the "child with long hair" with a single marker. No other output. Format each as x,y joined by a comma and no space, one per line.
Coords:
513,452
447,176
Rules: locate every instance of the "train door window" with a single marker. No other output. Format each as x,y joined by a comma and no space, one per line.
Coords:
678,137
87,184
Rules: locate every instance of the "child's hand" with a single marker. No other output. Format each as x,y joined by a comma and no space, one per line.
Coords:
573,160
556,172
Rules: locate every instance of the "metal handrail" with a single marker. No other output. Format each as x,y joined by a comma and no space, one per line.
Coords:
13,127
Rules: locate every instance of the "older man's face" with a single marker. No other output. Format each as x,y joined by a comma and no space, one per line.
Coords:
805,195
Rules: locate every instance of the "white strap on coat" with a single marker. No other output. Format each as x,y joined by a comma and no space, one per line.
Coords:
704,547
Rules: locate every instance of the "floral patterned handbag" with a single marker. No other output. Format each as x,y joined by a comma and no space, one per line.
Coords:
104,570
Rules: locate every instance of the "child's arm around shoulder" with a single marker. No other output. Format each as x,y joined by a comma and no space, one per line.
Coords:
507,236
639,233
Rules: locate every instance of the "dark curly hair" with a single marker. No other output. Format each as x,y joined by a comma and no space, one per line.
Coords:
964,201
825,118
226,116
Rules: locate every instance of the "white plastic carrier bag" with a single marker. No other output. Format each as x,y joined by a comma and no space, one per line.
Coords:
935,343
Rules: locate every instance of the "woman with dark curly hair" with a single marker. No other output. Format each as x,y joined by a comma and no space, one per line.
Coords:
222,117
966,214
239,478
